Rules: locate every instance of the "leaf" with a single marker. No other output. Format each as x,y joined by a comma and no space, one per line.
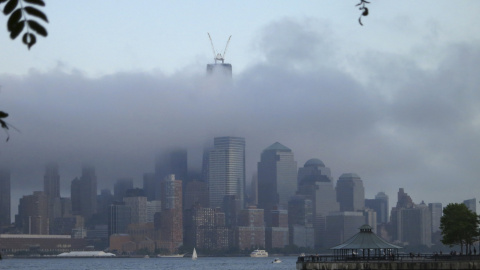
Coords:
365,12
360,20
37,13
29,39
3,114
3,124
36,2
14,19
10,6
17,29
1,1
37,28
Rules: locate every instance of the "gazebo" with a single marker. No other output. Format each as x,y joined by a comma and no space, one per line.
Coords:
365,245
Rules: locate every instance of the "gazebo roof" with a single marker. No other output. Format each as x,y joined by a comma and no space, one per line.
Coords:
365,239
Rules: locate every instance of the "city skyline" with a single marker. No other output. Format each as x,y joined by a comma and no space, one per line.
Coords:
394,101
52,168
325,211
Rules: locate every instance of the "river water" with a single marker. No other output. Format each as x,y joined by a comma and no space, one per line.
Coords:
202,263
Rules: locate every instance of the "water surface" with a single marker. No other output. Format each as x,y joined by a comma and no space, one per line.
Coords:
202,263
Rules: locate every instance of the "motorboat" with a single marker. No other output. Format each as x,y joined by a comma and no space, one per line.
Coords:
276,260
259,253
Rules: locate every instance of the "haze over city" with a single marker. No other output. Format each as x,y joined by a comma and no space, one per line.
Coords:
394,101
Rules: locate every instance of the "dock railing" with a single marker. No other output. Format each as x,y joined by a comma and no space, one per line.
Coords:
397,257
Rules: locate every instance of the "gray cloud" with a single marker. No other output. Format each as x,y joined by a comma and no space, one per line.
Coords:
396,125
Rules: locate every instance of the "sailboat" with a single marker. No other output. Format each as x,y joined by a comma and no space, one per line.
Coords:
194,255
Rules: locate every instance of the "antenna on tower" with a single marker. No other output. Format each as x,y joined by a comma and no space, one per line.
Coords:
218,56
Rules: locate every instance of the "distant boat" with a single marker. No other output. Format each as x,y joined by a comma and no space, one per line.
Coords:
259,253
277,260
194,255
85,254
171,256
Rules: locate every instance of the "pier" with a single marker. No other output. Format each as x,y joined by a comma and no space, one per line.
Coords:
397,262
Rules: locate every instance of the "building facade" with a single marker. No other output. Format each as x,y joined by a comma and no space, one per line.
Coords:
341,226
5,197
315,182
32,215
84,193
171,218
196,193
350,193
137,201
277,178
471,204
119,218
411,223
205,229
120,188
250,232
226,170
436,212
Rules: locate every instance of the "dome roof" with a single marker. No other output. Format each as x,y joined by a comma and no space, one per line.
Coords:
314,162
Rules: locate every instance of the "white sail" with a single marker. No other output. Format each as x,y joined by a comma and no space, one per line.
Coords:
194,255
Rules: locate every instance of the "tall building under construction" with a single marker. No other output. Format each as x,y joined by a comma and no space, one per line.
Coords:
219,68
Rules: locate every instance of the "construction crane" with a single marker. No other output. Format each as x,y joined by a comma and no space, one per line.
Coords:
218,56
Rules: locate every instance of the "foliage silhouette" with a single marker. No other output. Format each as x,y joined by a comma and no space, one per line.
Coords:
459,226
21,19
364,8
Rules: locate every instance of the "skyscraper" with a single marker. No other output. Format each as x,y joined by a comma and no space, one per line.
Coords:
120,188
315,181
51,187
172,162
300,221
119,218
5,198
84,193
196,193
226,170
277,177
471,204
33,214
411,223
151,186
380,206
350,192
137,201
382,215
205,229
436,211
51,181
171,221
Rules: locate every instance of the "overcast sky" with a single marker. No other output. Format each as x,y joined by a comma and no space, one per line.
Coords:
396,101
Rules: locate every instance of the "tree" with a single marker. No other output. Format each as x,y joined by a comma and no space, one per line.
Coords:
459,226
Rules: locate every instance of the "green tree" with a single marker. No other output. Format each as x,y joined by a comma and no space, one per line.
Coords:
459,226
